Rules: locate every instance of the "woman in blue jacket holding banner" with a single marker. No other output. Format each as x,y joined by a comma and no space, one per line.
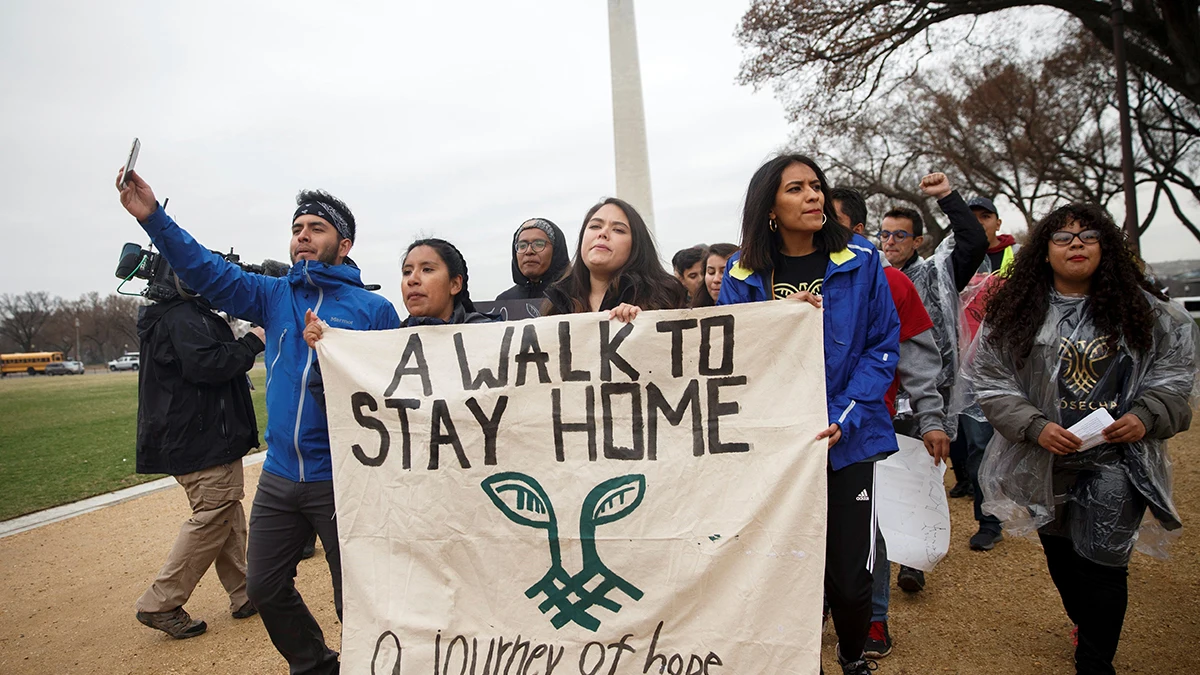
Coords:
788,252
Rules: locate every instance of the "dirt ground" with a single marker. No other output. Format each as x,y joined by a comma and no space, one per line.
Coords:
69,590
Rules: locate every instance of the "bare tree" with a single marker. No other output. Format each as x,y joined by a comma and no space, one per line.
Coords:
1039,130
847,51
23,317
107,324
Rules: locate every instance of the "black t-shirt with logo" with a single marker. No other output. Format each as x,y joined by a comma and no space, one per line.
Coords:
799,273
1091,376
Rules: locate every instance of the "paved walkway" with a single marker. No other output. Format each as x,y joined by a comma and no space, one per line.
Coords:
37,519
68,587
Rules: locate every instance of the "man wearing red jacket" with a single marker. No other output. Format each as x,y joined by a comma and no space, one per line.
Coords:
918,369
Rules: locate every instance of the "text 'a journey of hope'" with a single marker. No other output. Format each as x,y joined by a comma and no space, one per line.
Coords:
459,656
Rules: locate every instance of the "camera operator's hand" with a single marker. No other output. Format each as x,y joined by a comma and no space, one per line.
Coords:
137,197
314,329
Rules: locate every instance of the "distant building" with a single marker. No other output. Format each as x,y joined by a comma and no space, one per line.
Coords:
1181,279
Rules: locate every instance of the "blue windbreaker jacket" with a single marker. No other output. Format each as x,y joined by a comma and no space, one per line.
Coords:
862,344
297,429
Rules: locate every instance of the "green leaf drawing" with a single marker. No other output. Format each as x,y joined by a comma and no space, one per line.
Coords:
614,499
521,498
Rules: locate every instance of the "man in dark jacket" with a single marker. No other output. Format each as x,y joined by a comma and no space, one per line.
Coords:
196,422
539,257
939,279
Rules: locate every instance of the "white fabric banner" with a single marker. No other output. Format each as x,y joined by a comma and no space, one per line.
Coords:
914,515
573,495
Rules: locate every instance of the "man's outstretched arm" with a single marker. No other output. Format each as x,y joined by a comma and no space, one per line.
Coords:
222,283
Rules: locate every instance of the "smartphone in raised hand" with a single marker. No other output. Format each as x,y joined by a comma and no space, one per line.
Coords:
133,155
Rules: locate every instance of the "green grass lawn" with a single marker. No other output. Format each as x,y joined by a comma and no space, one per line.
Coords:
66,438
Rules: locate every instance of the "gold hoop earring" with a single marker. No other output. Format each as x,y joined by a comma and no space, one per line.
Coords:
773,225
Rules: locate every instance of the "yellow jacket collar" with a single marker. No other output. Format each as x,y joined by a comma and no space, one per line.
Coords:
840,257
741,273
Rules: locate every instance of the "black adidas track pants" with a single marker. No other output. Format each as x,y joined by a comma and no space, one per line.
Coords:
850,554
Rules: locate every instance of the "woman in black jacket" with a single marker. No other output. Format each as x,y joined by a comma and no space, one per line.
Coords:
435,287
615,268
539,256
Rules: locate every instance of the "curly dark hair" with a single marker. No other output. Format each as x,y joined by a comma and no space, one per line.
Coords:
1017,308
331,202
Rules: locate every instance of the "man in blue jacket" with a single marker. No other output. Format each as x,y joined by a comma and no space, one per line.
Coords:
295,490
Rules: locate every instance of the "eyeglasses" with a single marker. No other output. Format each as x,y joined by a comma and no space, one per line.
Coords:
538,245
1064,238
898,235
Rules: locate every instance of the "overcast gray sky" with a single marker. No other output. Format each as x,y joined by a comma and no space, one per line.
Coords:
457,120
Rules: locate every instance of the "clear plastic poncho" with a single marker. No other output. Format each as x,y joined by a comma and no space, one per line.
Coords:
934,279
1096,498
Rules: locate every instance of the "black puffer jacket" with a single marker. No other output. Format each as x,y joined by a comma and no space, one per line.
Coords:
194,406
526,289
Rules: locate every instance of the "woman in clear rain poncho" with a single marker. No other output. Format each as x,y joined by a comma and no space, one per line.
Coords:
1074,329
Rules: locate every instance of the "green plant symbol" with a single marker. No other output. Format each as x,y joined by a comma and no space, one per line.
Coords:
523,500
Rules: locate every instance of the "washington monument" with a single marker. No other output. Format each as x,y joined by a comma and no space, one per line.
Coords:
629,115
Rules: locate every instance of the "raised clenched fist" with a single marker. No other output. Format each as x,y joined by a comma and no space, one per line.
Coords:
935,185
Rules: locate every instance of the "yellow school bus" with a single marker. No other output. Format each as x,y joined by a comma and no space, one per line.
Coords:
31,363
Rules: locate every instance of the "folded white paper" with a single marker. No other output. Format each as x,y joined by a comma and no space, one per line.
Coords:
1090,429
911,506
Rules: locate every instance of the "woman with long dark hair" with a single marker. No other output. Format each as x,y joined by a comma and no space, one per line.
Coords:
714,259
793,248
1077,329
615,268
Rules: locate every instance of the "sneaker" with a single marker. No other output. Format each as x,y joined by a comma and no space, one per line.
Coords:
910,580
962,488
177,623
310,547
985,539
245,611
879,641
860,666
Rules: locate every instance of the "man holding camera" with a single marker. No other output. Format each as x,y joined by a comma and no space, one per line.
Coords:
295,490
196,422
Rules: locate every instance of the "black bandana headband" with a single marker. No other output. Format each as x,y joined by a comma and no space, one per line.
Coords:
322,210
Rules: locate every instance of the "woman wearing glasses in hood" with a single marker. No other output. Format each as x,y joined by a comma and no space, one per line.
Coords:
539,256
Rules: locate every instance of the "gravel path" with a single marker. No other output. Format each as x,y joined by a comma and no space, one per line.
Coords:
69,589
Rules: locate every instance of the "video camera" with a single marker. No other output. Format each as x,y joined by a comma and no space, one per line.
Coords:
136,261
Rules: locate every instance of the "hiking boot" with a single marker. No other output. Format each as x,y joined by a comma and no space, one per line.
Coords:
310,547
176,623
910,580
962,489
859,666
879,641
985,539
245,611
